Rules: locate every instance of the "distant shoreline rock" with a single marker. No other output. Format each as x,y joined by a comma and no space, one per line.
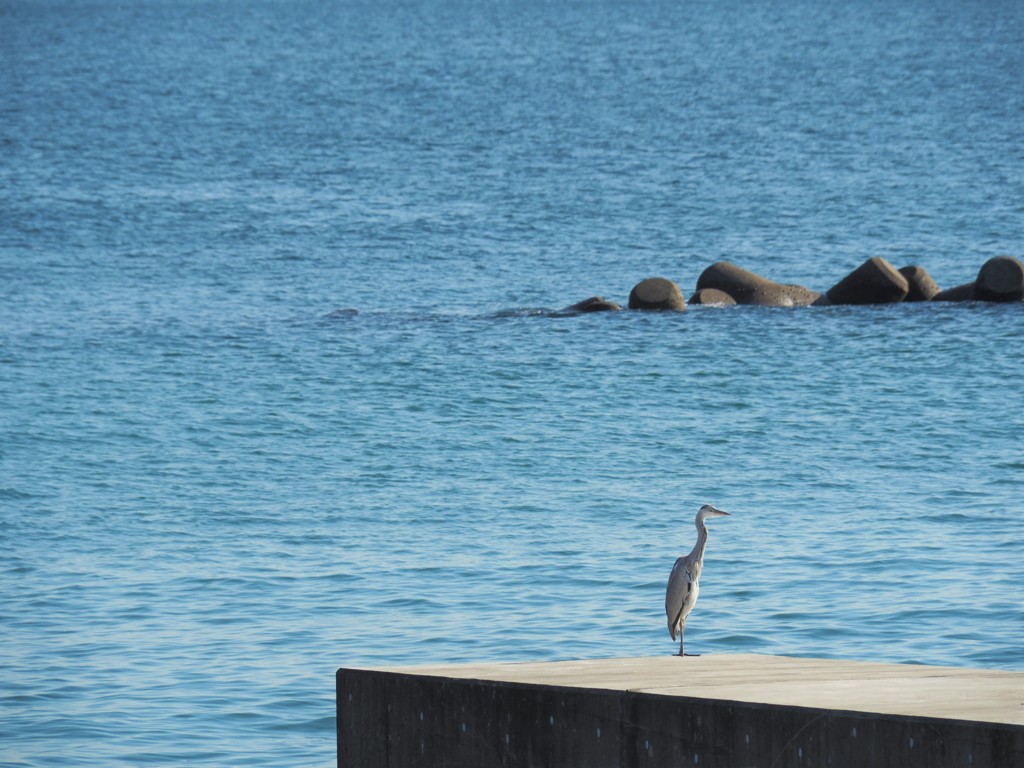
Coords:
874,281
712,297
1000,279
656,293
595,304
748,288
920,286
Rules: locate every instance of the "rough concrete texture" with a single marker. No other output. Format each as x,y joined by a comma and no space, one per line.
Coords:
712,297
749,288
729,711
876,281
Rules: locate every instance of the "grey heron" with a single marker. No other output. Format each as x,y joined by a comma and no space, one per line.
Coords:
684,583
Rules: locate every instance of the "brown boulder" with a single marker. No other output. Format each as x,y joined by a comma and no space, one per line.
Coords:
963,292
595,304
748,288
656,293
876,281
798,295
712,297
920,286
1001,278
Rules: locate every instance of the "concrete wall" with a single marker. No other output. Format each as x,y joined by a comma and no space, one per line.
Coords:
389,719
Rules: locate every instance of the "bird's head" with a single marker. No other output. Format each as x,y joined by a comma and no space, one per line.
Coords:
709,511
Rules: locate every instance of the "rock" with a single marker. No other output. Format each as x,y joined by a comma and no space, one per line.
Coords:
339,314
595,304
963,292
747,288
920,286
1001,278
876,281
712,297
656,293
800,296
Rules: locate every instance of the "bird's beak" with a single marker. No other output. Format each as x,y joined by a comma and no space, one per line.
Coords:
722,512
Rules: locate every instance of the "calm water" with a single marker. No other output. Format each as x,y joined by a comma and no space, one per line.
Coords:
281,389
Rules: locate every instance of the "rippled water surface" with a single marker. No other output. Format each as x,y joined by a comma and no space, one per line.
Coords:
284,387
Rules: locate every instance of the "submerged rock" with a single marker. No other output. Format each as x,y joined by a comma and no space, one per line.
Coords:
876,281
963,292
342,313
748,288
1001,278
712,297
799,295
595,304
656,293
920,286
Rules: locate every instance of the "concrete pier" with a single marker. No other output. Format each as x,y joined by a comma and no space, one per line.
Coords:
730,711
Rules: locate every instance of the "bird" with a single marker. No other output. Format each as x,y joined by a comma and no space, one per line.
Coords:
684,583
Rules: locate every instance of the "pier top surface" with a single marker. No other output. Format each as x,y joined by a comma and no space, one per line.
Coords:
982,695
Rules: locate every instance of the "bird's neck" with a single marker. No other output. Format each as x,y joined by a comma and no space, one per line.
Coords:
697,555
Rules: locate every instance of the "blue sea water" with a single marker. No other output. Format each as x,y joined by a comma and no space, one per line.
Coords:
284,387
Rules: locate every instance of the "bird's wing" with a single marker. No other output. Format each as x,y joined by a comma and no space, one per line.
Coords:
679,585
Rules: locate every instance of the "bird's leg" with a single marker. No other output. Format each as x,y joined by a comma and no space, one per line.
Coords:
682,627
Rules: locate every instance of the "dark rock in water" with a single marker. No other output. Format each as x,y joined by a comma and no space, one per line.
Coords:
800,296
342,313
920,286
876,281
713,297
656,293
1000,279
748,288
963,292
595,304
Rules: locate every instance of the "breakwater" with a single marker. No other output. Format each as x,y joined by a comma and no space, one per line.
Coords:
730,711
876,281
